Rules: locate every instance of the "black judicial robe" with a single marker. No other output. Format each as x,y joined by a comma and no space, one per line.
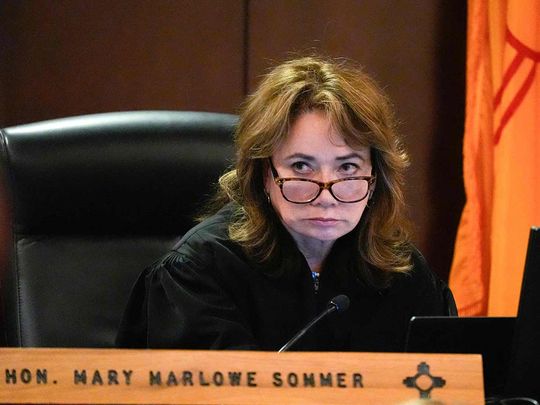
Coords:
206,294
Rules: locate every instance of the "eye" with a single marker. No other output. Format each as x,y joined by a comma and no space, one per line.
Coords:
301,167
349,168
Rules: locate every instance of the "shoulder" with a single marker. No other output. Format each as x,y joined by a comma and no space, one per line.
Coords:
423,286
206,249
420,276
208,235
420,270
215,226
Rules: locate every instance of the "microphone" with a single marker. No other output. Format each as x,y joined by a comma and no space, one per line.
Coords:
339,303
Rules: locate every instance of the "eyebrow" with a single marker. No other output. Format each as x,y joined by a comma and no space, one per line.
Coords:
339,158
351,156
300,156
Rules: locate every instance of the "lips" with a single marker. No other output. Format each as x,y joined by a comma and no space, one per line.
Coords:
323,221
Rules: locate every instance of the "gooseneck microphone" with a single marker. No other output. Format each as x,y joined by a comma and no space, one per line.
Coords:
339,303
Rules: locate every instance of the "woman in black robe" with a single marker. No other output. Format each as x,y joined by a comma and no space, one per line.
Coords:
312,209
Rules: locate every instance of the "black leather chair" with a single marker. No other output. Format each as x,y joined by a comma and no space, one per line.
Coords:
94,199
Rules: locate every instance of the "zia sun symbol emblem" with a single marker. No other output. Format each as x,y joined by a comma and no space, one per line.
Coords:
423,381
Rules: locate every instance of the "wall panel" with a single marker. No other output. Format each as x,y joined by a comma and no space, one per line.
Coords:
74,57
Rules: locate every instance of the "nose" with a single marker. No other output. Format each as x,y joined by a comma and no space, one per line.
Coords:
325,199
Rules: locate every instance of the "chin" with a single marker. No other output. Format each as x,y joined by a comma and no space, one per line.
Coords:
325,234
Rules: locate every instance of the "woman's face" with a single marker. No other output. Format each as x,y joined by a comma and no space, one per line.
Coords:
314,150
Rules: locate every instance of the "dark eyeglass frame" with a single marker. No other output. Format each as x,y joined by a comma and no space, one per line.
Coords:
322,185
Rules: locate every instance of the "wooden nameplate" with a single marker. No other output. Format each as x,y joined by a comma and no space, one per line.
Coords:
119,376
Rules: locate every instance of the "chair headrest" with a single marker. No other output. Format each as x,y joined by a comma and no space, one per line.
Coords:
138,172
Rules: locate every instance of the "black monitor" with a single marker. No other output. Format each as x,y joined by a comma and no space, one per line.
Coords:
510,347
524,369
489,336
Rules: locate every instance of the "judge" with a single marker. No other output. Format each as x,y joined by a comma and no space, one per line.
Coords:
313,208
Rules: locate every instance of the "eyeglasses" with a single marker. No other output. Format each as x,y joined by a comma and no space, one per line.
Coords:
303,191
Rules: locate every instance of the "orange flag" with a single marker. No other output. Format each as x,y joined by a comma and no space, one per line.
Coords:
501,155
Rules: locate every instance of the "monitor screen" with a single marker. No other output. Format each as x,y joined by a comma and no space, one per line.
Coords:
524,370
489,336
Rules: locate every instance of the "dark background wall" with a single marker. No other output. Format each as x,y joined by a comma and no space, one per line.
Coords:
70,57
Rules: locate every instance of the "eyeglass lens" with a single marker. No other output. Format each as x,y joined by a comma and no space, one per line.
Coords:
345,191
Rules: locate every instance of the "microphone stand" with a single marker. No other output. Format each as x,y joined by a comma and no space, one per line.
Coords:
329,310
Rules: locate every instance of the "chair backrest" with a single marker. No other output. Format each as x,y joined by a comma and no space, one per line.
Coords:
93,200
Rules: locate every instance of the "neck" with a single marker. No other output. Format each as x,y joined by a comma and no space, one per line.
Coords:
315,252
